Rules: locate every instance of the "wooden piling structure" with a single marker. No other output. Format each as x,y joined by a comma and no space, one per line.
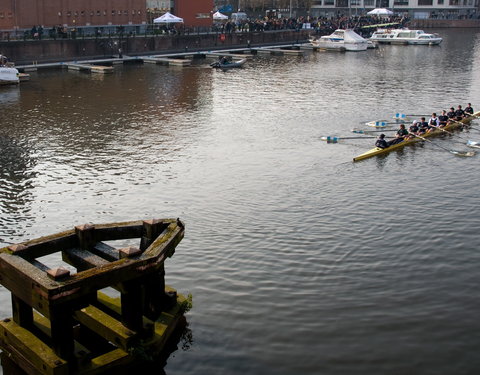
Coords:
63,323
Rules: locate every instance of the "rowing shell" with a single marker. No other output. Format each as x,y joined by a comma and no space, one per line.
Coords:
380,151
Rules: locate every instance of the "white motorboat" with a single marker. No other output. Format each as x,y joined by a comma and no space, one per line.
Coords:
405,36
341,40
8,74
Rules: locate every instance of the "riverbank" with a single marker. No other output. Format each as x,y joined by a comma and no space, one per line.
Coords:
45,51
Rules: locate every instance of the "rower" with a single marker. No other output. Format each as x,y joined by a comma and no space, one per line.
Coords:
451,113
413,129
381,142
443,119
468,109
434,121
459,113
399,136
423,126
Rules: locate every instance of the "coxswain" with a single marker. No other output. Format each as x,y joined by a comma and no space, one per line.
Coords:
451,113
443,119
459,113
468,109
381,142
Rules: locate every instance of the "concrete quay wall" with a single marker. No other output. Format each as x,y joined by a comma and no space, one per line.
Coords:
43,51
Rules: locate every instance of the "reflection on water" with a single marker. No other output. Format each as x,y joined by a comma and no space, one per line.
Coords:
299,261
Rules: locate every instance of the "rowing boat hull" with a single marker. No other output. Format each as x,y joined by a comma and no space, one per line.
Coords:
380,151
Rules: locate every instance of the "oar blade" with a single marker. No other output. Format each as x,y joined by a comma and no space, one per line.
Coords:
473,144
463,153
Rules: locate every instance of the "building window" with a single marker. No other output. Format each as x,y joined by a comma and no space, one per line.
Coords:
98,12
139,12
454,2
329,2
125,12
368,3
401,2
2,15
104,12
440,2
69,14
59,14
82,13
113,12
119,12
355,2
425,2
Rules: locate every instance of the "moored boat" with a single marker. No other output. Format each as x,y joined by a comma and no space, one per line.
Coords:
405,36
380,151
8,74
341,40
228,64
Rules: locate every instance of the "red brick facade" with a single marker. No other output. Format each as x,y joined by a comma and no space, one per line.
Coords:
194,12
47,13
27,13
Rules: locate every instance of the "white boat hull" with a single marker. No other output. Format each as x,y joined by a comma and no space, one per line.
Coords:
8,76
341,40
405,37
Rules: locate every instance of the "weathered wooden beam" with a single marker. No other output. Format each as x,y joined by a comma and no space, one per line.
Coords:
106,326
82,259
44,245
26,281
114,359
24,346
105,251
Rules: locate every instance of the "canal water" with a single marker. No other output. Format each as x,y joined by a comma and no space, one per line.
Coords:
299,260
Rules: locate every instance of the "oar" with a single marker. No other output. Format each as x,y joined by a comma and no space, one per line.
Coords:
473,144
455,152
455,134
361,131
331,139
380,123
403,115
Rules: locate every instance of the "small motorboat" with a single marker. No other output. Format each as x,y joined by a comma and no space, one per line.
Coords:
405,36
341,40
8,74
228,64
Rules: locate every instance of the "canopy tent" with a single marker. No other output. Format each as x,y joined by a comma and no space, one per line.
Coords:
168,18
380,12
219,16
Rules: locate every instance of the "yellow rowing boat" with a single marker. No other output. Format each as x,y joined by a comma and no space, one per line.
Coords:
380,151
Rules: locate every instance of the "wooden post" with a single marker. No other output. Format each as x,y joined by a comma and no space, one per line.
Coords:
132,302
22,313
86,236
61,323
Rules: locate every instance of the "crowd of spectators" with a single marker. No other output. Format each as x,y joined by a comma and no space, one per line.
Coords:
319,24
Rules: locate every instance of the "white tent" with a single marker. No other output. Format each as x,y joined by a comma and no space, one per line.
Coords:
219,16
380,12
168,18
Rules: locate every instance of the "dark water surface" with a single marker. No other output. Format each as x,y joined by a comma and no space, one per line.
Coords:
299,261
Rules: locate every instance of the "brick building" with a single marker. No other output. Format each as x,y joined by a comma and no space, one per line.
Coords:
194,12
21,14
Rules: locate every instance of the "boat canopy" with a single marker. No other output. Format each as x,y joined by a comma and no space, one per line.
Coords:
351,36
